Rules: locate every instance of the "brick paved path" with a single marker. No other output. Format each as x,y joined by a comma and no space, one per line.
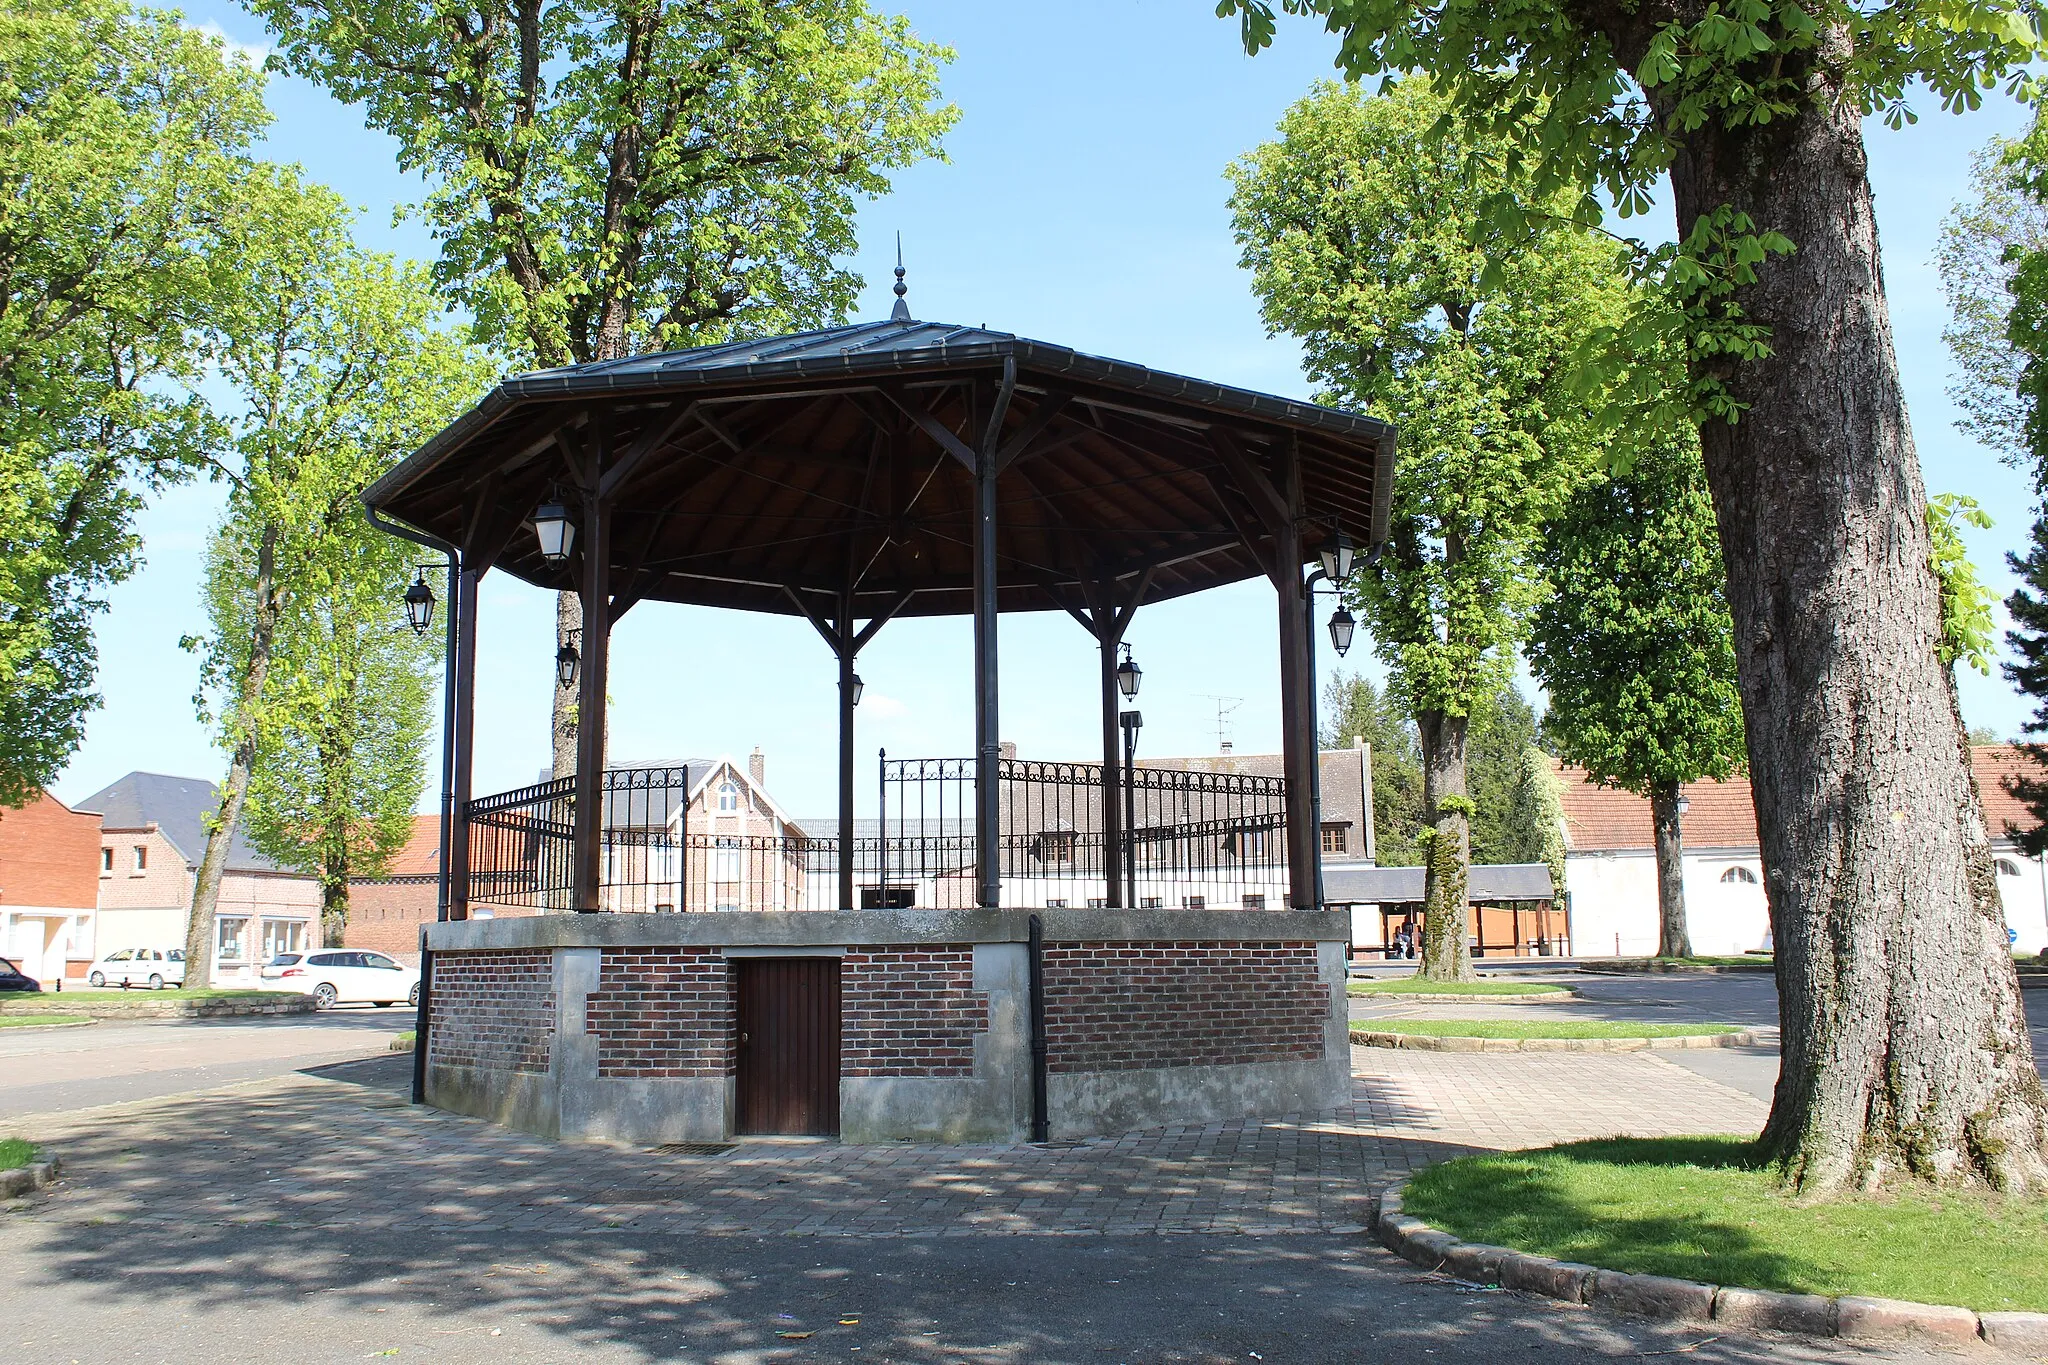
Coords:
343,1150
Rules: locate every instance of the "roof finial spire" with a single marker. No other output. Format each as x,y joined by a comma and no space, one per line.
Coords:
901,312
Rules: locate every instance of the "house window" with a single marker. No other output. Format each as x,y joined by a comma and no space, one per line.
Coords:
106,862
1333,838
1056,846
282,936
728,796
1194,902
1254,901
230,945
1151,902
141,858
1739,875
2008,868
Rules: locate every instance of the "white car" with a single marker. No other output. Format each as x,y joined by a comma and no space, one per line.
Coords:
334,976
155,968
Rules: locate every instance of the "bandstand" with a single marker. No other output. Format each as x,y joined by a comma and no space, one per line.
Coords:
1029,950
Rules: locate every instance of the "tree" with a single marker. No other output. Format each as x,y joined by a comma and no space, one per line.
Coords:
619,175
1635,649
340,371
1506,826
1470,359
124,142
1981,242
2027,671
339,757
1905,1046
1358,710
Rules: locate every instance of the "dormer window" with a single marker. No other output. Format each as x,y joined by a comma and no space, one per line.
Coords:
728,795
141,858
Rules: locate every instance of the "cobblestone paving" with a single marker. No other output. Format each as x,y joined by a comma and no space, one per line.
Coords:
344,1150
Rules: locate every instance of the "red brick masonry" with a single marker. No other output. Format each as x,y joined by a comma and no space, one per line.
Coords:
910,1011
662,1012
1131,1006
494,1011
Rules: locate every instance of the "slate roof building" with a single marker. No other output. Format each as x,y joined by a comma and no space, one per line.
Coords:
152,836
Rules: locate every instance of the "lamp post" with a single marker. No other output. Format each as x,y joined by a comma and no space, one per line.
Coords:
1338,557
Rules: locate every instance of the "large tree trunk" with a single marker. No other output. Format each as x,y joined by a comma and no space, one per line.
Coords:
568,625
1672,938
220,837
1446,952
1905,1045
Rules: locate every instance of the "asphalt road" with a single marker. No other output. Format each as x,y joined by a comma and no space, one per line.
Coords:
45,1070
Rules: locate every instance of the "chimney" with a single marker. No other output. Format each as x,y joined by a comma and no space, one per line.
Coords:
1009,750
757,769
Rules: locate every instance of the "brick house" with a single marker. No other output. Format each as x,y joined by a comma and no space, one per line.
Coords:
152,836
385,913
49,887
1611,865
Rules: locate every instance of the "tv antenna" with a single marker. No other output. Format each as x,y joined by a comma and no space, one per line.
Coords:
1225,706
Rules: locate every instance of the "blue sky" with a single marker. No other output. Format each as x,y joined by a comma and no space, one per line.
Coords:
1084,204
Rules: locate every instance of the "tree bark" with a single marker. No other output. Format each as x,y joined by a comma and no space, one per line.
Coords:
1905,1045
220,837
1672,938
1446,949
568,625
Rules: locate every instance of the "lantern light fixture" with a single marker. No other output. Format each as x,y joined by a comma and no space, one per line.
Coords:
1128,676
419,604
1337,556
1342,626
567,659
554,530
858,688
1684,805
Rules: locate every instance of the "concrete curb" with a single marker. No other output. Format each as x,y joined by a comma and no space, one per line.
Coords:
114,1007
23,1179
1648,967
1426,1043
404,1045
38,1028
1439,997
1664,1299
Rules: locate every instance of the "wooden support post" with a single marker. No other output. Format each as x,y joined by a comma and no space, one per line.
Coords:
1297,724
462,741
596,535
845,647
1112,758
987,714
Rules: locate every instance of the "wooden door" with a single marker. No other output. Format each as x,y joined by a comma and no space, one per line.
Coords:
788,1019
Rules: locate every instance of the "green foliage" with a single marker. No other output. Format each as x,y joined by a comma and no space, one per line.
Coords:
311,676
1358,710
1597,101
124,143
1982,242
1634,646
2027,671
613,176
1546,1028
1505,828
1364,228
1966,623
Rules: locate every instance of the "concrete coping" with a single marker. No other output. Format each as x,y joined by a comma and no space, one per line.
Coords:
839,928
1661,1297
24,1179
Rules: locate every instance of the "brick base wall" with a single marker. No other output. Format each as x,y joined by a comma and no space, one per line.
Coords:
494,1011
910,1011
662,1012
1127,1006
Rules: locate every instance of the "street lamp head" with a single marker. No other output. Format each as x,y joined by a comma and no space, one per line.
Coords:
567,658
554,530
858,688
1337,557
1342,626
1684,804
419,605
1131,720
1128,676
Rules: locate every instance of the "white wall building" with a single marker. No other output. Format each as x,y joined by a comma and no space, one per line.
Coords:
1611,868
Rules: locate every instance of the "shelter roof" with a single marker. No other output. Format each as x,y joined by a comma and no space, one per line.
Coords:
1399,885
780,474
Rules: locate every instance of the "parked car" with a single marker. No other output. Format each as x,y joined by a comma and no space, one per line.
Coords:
155,968
12,978
334,976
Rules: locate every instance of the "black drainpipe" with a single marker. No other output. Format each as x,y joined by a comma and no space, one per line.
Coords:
419,1025
1040,1127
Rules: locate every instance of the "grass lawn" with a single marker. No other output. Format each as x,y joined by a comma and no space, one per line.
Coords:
1408,985
404,1040
1538,1028
1703,1208
27,1020
15,1152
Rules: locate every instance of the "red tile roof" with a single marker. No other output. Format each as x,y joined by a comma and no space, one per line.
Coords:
422,852
1722,815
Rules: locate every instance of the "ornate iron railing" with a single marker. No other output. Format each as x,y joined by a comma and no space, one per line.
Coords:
1196,839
